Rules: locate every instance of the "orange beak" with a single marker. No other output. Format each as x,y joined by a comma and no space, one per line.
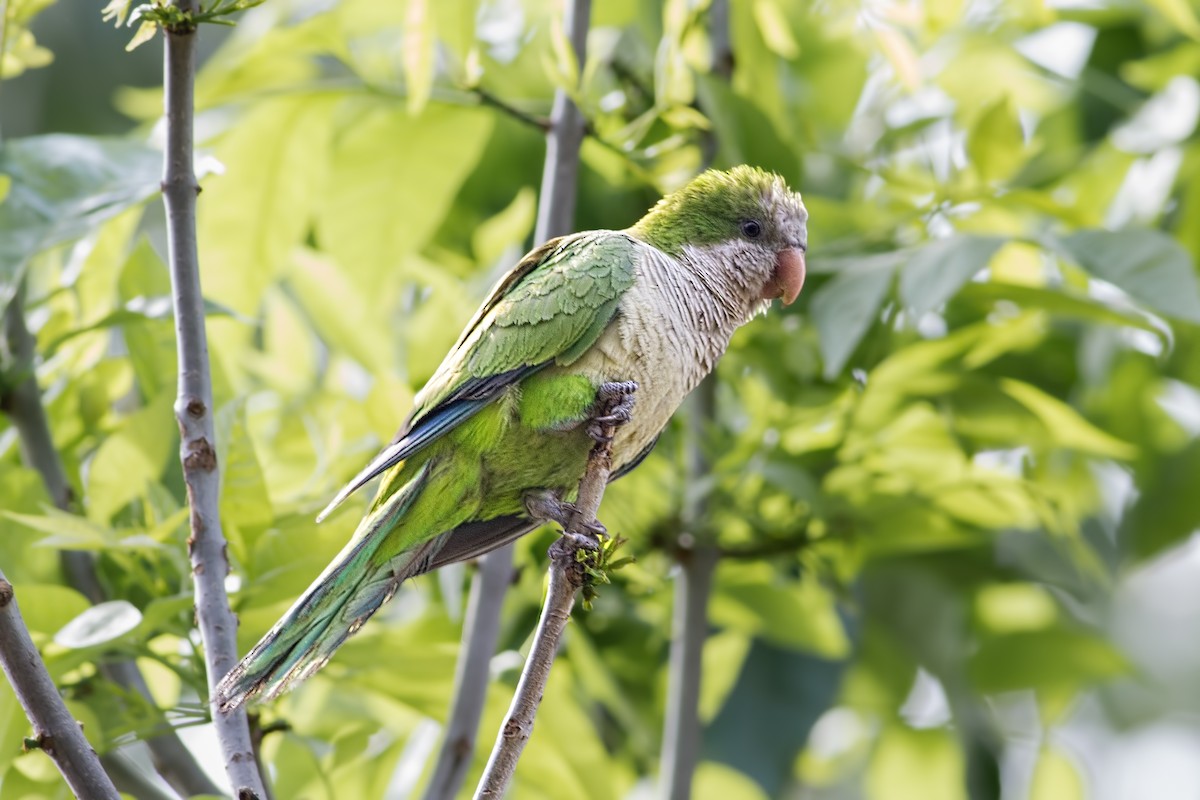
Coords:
788,279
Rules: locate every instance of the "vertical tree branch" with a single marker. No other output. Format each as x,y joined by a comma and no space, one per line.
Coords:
567,575
54,729
23,404
481,626
193,407
697,553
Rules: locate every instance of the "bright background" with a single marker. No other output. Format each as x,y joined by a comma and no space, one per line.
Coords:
966,459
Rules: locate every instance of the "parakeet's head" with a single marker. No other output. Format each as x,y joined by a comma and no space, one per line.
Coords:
744,220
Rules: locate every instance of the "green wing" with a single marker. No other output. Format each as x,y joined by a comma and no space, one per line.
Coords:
549,309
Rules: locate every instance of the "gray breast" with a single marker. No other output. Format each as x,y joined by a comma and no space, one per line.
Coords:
668,335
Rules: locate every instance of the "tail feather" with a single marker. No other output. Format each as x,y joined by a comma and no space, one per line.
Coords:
346,594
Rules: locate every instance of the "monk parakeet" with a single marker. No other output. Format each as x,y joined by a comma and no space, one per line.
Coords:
498,439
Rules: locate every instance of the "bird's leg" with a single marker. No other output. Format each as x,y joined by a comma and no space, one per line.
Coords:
613,407
545,505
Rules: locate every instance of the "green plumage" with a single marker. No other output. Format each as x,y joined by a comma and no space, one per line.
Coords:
502,417
545,313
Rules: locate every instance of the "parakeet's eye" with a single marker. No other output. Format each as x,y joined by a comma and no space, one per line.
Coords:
752,228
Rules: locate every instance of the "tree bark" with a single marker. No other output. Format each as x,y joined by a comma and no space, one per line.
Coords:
55,731
193,406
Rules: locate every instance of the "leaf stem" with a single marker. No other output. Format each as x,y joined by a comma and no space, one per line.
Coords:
193,407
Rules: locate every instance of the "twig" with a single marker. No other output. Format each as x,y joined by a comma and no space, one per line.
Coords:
54,729
486,98
481,627
23,405
567,575
131,780
193,407
689,624
481,630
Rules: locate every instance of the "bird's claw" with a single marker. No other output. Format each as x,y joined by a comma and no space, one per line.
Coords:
547,506
613,407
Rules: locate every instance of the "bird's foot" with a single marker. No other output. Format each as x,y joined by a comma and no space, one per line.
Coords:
547,506
613,407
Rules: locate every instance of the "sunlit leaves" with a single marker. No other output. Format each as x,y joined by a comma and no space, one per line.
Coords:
19,50
99,624
996,144
1048,659
383,204
249,223
60,188
418,53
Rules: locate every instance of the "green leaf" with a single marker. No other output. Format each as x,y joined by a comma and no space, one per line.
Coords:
418,54
1165,511
1049,659
1062,301
1149,265
939,269
1056,777
252,216
845,308
715,781
724,654
1066,426
1180,14
383,204
996,144
774,28
46,608
798,614
66,530
744,134
145,33
911,763
99,624
61,188
130,458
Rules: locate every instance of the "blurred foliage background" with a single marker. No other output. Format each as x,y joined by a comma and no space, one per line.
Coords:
956,483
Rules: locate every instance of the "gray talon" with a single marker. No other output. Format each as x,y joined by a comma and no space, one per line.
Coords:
547,506
613,407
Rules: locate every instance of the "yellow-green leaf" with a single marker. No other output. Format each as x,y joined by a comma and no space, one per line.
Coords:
419,36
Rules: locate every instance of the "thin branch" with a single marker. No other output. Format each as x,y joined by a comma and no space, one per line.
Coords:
486,98
689,624
168,753
481,631
54,729
23,404
131,780
481,627
567,576
193,407
767,549
689,629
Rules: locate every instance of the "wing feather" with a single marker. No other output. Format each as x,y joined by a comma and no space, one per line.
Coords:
548,309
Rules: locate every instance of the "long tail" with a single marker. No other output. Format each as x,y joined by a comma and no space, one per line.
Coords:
349,591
